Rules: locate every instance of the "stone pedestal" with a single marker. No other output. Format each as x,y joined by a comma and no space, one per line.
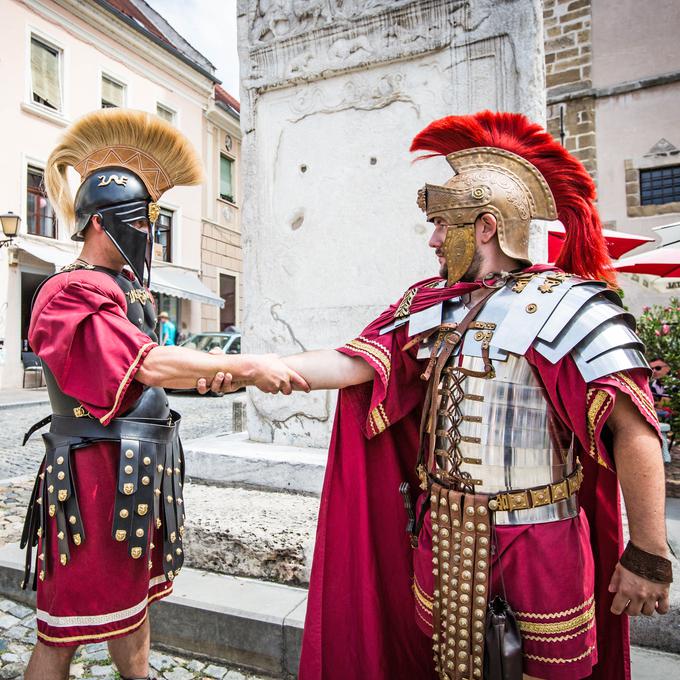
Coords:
332,93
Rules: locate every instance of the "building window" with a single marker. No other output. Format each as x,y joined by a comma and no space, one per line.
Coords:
113,93
45,74
163,236
226,178
40,217
660,185
165,113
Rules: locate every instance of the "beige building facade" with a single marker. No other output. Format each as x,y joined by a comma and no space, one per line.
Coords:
221,229
63,58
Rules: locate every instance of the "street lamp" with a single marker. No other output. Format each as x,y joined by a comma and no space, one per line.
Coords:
10,227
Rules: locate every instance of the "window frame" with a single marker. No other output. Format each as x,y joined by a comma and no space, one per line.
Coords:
169,248
220,196
33,33
35,167
674,188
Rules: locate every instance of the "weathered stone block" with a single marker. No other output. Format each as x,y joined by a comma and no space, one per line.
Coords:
327,87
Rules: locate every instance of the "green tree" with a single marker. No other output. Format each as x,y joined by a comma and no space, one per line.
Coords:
659,329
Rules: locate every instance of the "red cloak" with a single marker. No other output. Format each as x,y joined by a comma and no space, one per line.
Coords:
361,618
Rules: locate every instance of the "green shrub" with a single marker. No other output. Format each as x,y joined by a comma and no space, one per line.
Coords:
659,329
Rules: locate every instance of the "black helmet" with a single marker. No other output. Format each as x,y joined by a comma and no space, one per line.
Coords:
120,199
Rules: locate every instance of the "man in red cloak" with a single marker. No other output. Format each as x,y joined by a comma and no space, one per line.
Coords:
515,396
107,513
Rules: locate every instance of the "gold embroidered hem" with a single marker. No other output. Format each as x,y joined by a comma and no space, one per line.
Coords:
599,402
126,379
548,659
378,419
637,395
95,636
560,638
422,598
375,351
556,615
559,626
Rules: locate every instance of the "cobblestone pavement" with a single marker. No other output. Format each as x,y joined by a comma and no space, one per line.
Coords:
201,416
17,636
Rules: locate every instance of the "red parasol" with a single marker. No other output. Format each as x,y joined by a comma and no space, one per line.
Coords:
618,242
660,262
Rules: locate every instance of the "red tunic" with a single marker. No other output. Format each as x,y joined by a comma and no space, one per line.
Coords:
80,330
369,612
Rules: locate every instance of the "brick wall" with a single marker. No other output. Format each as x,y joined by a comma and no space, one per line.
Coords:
568,64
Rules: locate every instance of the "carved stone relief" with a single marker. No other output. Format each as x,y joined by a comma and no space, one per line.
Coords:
362,93
278,19
291,40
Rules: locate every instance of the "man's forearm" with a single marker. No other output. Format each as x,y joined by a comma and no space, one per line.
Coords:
181,367
639,466
328,369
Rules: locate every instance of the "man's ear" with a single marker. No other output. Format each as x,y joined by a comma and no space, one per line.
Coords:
96,223
489,227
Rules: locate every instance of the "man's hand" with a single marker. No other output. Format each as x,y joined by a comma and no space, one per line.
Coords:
221,384
636,595
272,376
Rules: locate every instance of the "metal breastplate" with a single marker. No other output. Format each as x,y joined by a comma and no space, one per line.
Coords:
153,402
500,433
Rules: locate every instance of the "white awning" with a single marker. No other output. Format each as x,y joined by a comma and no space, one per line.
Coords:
48,251
182,283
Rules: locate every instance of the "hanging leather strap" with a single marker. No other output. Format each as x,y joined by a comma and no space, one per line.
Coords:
451,337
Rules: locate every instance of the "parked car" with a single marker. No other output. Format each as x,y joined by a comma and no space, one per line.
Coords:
229,343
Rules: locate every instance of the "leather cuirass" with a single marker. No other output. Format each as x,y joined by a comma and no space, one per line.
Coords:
153,402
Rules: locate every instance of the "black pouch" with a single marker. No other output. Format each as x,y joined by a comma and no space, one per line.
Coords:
503,643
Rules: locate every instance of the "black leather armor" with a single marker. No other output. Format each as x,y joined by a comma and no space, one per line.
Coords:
151,463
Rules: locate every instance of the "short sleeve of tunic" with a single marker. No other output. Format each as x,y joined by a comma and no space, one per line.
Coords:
79,328
396,388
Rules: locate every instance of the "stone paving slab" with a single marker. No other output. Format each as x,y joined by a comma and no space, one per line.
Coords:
231,458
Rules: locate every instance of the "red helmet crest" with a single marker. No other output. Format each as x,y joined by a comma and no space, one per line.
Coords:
584,252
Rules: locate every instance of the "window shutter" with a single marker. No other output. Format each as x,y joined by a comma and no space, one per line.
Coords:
165,113
45,74
113,93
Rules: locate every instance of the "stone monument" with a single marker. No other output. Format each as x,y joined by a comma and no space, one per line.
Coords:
332,93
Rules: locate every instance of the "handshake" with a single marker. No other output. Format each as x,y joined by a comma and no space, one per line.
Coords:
267,372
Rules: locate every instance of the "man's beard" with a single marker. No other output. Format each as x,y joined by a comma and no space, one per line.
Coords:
472,273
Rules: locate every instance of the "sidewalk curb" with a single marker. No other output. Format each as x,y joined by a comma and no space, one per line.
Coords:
232,459
240,621
23,404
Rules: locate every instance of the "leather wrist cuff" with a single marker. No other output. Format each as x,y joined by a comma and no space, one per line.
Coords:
651,567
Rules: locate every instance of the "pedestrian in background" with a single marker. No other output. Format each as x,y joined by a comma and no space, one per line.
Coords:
168,331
